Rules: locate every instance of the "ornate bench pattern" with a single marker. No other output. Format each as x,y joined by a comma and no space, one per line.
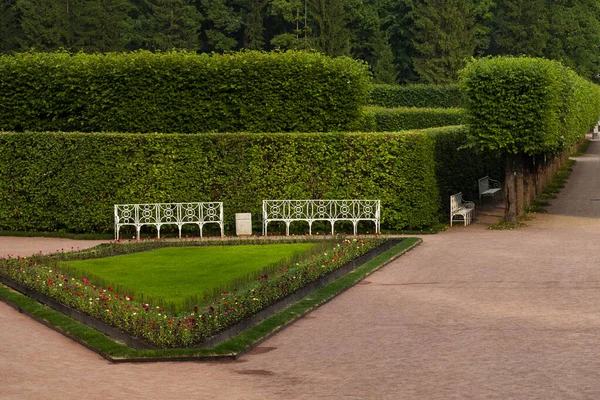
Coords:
159,214
310,211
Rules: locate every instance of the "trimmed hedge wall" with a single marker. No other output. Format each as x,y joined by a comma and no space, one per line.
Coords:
180,92
419,95
379,119
528,105
70,181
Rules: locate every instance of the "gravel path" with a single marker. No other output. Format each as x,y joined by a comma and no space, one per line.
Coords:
469,314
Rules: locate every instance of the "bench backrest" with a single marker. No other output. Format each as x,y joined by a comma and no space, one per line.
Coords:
484,184
456,202
164,213
321,209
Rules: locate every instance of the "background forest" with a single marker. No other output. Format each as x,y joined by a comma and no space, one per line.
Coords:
402,40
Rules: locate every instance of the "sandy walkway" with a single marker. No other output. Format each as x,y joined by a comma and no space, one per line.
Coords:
470,314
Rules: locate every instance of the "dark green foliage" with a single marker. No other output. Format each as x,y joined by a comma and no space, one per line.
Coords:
331,35
434,96
528,105
574,35
447,34
384,70
71,181
180,92
520,27
434,37
458,167
86,25
10,28
379,119
174,24
254,31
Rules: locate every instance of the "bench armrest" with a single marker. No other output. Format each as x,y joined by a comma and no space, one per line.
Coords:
468,204
494,184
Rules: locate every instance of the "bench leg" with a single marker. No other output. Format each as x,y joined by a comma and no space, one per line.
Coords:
138,229
332,227
310,228
287,228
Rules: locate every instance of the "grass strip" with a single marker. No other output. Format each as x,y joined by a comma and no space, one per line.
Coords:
243,342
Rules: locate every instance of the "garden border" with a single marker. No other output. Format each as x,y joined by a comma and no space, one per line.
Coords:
296,296
253,342
139,344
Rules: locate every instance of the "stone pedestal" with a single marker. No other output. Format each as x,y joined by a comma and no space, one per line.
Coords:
243,224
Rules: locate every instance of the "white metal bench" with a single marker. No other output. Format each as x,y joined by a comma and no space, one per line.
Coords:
488,187
459,207
159,214
310,211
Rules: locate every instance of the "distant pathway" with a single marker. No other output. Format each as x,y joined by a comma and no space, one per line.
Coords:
470,314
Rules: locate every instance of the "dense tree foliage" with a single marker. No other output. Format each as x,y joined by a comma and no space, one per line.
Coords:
403,40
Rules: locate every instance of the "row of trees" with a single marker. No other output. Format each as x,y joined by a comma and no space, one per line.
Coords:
403,40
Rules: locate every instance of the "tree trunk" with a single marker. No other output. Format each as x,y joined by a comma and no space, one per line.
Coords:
520,192
510,213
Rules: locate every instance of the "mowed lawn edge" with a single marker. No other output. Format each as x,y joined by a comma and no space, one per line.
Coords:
170,275
229,349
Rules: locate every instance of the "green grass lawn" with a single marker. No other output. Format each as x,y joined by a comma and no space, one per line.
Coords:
174,274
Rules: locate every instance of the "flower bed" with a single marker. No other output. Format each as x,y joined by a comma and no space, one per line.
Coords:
162,329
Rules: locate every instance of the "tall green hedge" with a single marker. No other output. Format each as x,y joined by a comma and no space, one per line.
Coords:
180,92
419,95
527,105
70,181
379,119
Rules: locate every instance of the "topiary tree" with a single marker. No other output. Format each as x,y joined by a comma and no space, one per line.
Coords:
523,107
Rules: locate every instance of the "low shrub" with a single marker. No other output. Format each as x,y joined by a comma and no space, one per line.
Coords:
419,95
379,119
180,92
